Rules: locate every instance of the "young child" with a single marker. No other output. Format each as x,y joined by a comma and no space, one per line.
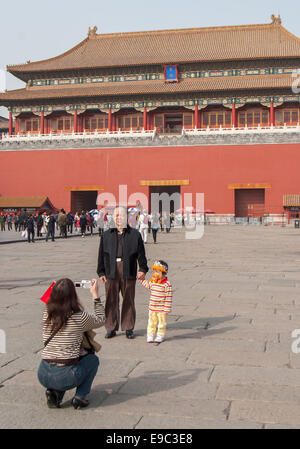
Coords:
160,303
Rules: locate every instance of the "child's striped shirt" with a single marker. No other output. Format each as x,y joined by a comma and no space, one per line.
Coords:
161,295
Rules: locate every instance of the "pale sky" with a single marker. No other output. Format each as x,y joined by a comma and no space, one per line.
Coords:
35,30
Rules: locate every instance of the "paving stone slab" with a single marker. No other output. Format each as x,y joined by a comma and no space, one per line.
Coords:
255,375
185,385
117,367
217,356
265,412
168,369
254,392
205,409
22,417
173,422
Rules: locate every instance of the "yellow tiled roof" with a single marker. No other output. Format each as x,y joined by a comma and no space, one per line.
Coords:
173,46
22,201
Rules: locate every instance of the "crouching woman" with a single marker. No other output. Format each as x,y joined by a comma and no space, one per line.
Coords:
63,365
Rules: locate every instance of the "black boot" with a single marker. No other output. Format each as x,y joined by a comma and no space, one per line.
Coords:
53,398
79,403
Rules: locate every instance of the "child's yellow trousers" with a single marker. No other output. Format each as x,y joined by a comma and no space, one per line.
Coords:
157,320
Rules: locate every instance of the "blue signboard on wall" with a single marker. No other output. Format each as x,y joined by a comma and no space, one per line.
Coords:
171,74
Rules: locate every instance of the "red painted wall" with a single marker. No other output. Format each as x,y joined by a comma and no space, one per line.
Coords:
209,168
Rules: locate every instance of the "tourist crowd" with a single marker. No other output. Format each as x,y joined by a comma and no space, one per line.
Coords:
48,223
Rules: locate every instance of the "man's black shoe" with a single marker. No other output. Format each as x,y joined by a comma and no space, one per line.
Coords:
110,334
129,334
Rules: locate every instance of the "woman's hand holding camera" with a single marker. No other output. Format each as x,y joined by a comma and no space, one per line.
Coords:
94,288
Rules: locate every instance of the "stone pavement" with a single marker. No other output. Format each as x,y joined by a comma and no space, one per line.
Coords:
226,363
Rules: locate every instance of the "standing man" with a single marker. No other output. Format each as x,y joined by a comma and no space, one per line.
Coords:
121,250
39,224
62,223
2,222
30,228
83,223
16,221
50,223
9,222
70,222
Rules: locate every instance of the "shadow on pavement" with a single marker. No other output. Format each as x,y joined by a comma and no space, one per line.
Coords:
202,325
150,383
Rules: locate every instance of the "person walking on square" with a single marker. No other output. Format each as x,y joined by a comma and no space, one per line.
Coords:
2,222
83,223
160,303
155,225
62,221
16,221
30,228
70,222
143,225
9,222
90,223
50,224
121,250
39,224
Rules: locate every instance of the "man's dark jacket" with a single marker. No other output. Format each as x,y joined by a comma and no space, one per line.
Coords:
133,252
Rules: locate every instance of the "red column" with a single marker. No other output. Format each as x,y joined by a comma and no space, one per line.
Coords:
196,117
80,124
145,119
272,115
233,115
42,130
10,124
200,118
17,126
113,122
75,121
109,120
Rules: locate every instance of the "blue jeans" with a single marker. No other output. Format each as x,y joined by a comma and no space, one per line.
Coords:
62,378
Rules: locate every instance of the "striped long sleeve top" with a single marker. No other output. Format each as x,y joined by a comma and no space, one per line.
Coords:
160,297
66,343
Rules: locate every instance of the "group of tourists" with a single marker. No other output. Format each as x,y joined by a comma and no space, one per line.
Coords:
47,223
68,358
13,219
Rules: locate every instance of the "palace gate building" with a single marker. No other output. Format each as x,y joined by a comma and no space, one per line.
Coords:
213,110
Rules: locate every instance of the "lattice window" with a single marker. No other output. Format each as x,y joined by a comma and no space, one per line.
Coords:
253,117
97,122
130,121
288,117
188,120
29,125
215,119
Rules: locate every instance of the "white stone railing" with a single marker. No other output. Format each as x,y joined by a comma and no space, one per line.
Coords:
106,135
86,136
239,130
